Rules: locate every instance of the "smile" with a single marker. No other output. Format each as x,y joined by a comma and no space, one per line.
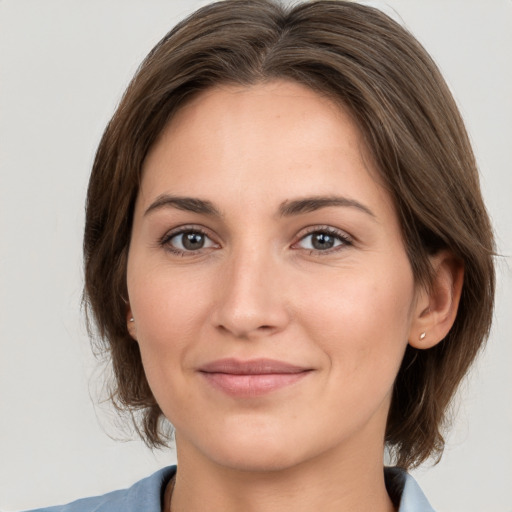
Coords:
251,378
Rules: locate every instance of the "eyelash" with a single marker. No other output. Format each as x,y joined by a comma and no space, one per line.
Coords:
164,241
342,237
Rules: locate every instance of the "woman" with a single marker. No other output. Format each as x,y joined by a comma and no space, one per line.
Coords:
288,258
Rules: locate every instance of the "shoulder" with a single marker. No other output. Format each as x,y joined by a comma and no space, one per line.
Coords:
405,492
144,495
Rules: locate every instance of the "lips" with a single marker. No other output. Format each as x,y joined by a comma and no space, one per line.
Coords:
251,378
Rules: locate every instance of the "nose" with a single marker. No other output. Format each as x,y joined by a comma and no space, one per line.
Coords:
252,296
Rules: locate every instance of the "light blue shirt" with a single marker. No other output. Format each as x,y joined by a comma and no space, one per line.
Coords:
146,495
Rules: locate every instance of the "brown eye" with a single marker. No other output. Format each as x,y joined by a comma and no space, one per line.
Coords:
188,241
323,241
192,241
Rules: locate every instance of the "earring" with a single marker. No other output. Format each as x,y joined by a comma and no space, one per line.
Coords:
422,335
131,319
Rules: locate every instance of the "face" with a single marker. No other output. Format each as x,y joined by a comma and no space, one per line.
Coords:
271,292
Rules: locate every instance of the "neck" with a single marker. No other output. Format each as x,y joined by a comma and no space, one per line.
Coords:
329,483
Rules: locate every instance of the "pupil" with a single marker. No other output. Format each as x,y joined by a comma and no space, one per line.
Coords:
193,241
322,241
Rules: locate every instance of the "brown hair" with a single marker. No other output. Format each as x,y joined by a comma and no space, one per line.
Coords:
370,64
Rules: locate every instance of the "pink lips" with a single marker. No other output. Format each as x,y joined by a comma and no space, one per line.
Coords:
251,378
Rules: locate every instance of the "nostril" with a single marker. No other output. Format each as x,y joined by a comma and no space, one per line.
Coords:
246,333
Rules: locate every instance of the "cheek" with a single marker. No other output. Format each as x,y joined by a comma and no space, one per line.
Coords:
362,323
168,319
169,311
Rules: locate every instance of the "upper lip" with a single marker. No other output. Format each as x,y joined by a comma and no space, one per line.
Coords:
251,367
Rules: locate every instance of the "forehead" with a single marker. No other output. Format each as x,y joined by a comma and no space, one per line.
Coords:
258,141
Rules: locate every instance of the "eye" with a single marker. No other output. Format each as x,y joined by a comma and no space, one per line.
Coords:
187,241
323,240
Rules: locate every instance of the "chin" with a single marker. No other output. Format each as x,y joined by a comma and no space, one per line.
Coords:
262,458
262,449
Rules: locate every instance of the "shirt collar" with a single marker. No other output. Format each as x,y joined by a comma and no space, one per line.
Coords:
405,492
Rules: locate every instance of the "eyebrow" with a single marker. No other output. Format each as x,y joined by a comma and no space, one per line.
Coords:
286,209
189,204
310,204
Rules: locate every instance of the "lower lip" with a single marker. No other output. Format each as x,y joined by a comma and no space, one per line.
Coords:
252,385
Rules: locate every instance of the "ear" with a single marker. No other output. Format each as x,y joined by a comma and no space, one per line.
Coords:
436,307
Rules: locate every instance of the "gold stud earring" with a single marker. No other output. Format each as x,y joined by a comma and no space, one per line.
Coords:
422,335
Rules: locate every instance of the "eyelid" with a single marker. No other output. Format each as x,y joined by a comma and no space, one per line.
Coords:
347,240
186,228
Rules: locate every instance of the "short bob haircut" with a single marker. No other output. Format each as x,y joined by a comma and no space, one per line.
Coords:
370,65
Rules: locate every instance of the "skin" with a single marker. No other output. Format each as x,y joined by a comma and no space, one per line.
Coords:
258,288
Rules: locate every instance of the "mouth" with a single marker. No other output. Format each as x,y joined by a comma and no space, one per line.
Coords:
251,378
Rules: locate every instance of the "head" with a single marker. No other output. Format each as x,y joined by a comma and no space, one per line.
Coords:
411,139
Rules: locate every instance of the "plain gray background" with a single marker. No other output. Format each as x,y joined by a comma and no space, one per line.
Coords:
63,66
